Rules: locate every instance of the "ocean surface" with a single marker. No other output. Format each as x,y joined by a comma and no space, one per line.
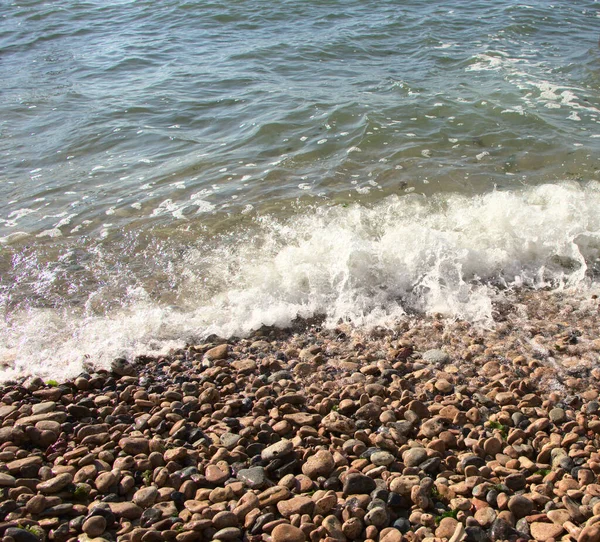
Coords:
174,169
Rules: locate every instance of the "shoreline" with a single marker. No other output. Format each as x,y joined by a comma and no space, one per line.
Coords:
433,430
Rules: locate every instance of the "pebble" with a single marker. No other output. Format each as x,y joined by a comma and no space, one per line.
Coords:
6,480
134,446
279,449
316,435
590,533
520,506
414,456
217,353
20,535
333,527
287,533
356,484
296,505
320,464
446,528
382,459
545,531
390,534
56,484
254,477
436,357
145,496
228,533
94,526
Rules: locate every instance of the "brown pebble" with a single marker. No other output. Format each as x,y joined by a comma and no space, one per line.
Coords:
287,533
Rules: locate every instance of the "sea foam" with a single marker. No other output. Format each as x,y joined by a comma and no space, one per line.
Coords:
368,265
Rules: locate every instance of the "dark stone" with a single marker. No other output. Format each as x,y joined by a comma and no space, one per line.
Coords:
104,511
476,534
402,524
517,418
431,466
522,527
247,404
369,452
358,484
197,435
233,423
7,507
21,535
264,437
377,503
388,374
58,510
363,424
187,473
403,427
178,498
515,481
565,462
474,460
353,504
395,500
62,533
79,411
380,493
260,522
254,477
77,523
501,530
150,517
289,468
492,497
333,484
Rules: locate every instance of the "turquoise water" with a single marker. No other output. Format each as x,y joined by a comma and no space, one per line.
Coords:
173,169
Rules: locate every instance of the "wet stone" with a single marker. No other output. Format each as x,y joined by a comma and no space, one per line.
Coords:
436,357
280,375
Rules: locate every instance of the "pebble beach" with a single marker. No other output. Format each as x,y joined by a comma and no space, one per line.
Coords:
299,271
432,430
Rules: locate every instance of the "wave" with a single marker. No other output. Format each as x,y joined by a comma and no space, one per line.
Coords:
368,265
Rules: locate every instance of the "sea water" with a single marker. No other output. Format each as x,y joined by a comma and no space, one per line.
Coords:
170,170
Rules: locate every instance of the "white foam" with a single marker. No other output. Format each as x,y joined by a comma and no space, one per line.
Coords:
364,264
485,62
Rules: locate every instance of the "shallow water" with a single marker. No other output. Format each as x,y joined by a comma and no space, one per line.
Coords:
169,171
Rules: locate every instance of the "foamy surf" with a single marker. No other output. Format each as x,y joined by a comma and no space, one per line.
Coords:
367,265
